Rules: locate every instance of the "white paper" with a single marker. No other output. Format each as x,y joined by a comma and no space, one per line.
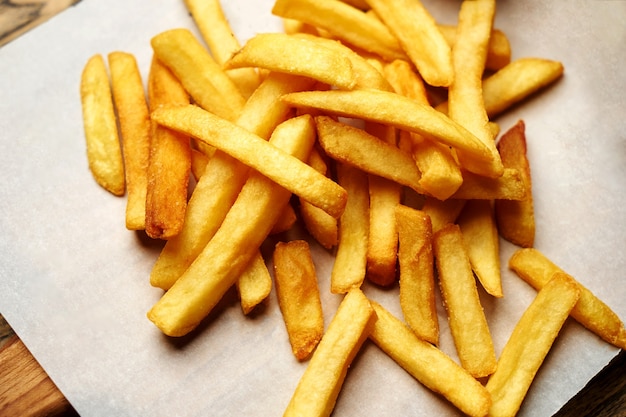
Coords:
74,283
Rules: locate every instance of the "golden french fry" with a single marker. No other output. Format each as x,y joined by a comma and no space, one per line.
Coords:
134,122
468,324
480,234
298,296
238,239
254,284
429,365
344,22
170,159
202,77
285,221
418,34
498,49
218,188
319,386
296,55
529,344
219,36
509,186
516,219
442,213
104,152
417,280
394,110
536,269
250,149
350,264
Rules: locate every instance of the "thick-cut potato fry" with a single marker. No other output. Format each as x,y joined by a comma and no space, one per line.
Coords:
498,49
480,234
238,239
201,76
442,213
250,149
516,219
468,324
254,284
350,264
170,159
420,37
218,188
220,38
536,269
298,296
394,110
529,344
104,152
354,146
429,365
417,280
344,22
465,98
134,122
509,186
319,386
296,55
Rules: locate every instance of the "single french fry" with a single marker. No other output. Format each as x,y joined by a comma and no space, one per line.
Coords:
394,110
442,213
417,280
509,186
220,38
296,55
298,296
468,324
254,284
250,149
481,238
354,146
516,219
418,34
170,159
104,152
319,386
529,344
465,97
350,264
218,188
536,269
344,22
224,258
202,77
498,49
429,365
134,122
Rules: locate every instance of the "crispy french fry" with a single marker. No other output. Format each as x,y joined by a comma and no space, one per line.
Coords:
516,219
418,34
296,55
498,49
201,76
529,344
417,280
238,239
254,284
170,159
394,110
480,234
317,390
218,188
134,122
429,365
536,269
344,22
509,186
350,264
250,149
442,213
298,296
468,324
219,36
104,152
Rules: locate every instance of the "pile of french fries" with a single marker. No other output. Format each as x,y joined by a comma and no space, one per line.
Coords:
374,127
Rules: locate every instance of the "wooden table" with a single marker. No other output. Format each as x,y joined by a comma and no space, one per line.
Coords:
26,390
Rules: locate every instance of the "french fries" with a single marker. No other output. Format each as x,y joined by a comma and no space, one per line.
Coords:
254,284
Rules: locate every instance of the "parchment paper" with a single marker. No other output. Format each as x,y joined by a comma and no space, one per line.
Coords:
74,283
